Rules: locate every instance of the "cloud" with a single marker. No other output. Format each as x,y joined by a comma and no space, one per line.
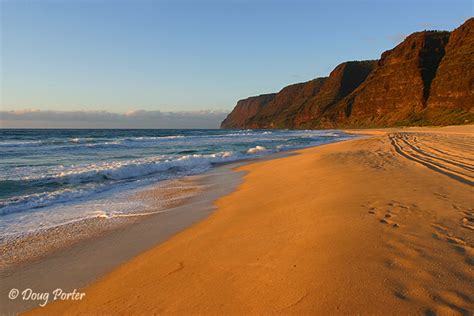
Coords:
33,118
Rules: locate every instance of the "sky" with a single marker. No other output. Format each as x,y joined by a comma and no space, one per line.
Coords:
89,59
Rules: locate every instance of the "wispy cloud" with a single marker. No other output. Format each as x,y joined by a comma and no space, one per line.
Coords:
33,118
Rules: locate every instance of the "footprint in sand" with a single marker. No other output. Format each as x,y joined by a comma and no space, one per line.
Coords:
385,219
394,225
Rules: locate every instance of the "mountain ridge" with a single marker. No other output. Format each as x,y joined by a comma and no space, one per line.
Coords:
427,79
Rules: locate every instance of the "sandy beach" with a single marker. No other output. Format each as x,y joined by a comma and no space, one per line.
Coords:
382,224
62,258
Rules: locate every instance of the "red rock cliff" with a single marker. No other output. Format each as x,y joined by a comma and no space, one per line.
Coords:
451,97
245,110
428,79
299,104
280,111
342,81
396,91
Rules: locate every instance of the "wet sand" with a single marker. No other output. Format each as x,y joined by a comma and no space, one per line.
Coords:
22,249
369,226
72,256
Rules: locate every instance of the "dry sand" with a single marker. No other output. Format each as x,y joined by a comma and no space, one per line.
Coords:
380,225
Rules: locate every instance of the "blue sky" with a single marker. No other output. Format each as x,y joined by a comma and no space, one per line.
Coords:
172,56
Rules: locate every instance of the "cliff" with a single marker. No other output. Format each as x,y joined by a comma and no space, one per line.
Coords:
245,110
451,97
299,104
426,79
278,112
396,91
341,82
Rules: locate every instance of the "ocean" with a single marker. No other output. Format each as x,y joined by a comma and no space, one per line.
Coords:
52,177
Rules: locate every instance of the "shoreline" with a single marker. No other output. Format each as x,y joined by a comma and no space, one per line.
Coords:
23,249
160,197
340,228
71,267
29,238
67,265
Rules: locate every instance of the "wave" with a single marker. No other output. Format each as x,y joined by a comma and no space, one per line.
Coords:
256,150
95,178
82,140
17,144
119,170
146,138
79,143
56,180
85,140
37,200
